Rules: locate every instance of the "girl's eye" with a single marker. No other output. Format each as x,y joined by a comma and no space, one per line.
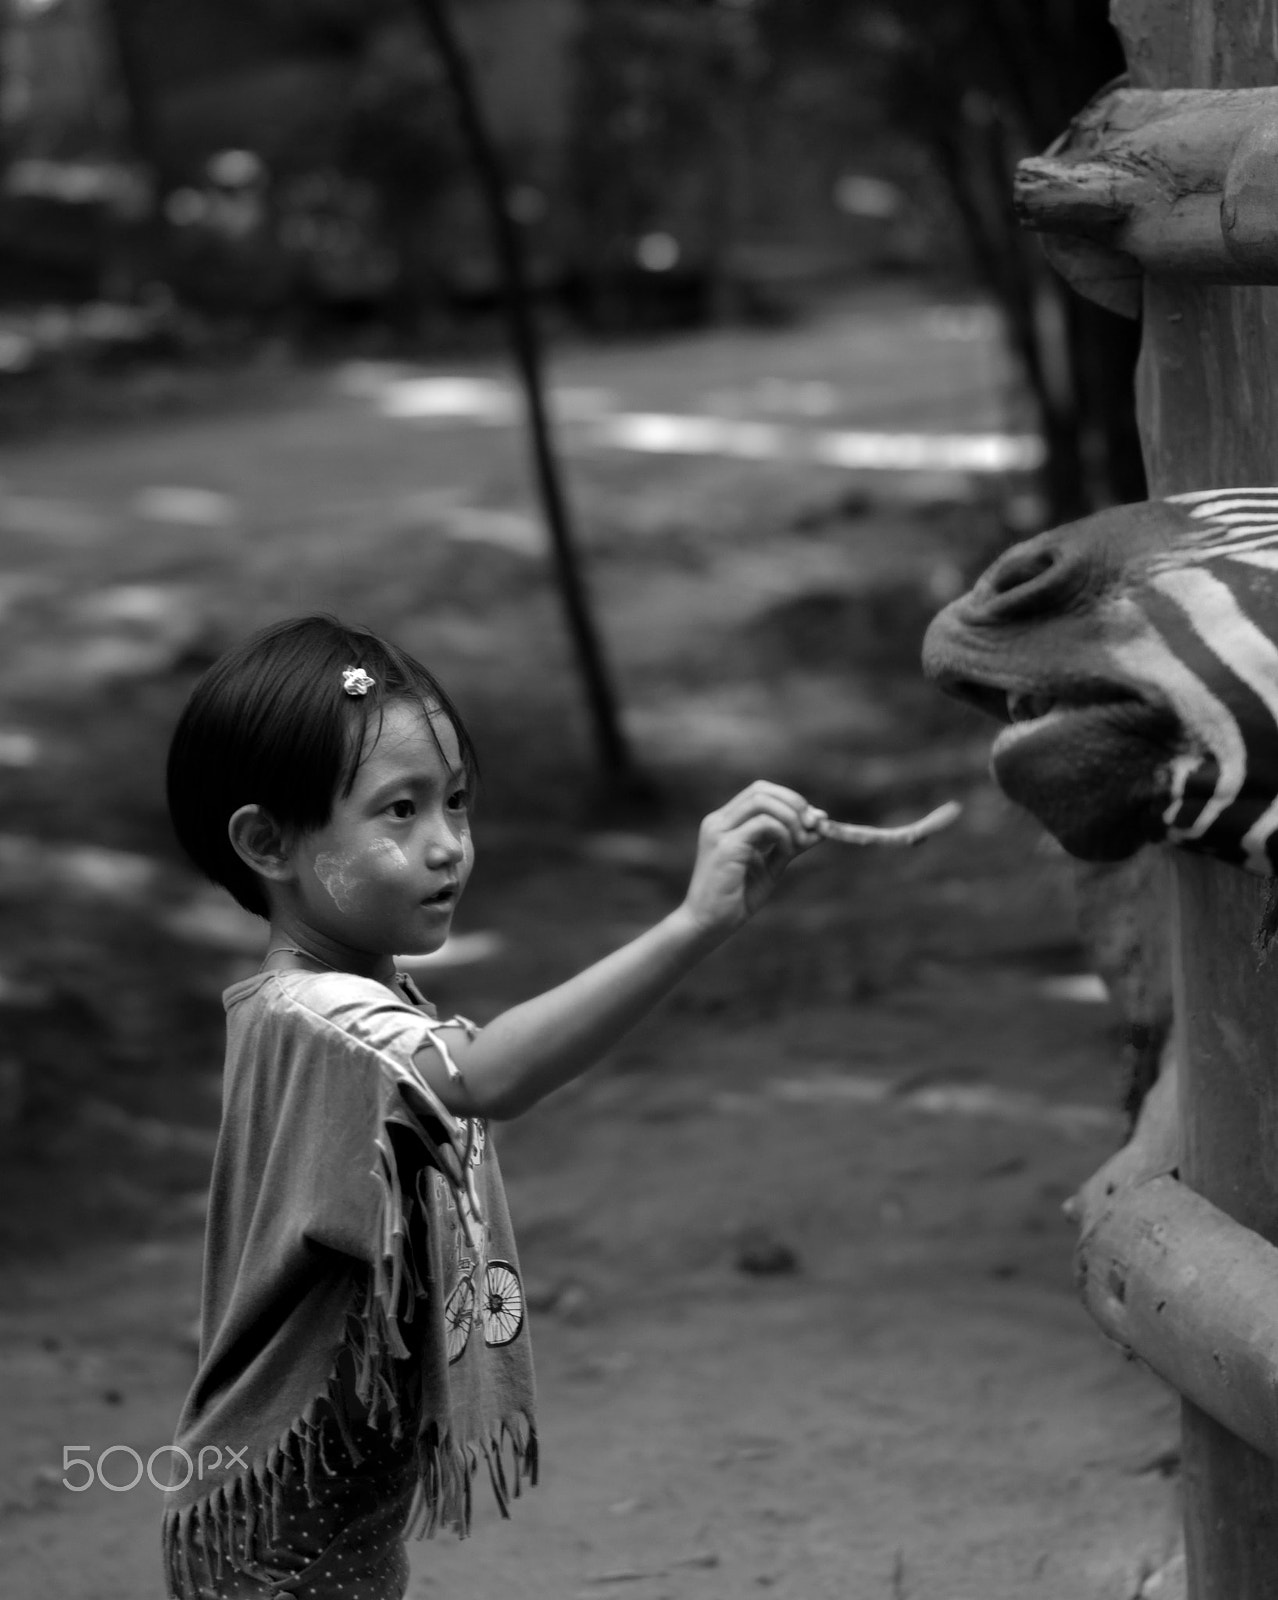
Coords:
459,800
402,808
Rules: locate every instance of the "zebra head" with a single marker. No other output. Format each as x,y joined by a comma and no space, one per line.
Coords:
1134,657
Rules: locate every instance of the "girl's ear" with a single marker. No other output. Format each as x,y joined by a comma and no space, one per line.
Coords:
260,843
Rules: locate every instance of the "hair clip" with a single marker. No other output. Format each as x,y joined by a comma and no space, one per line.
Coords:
356,681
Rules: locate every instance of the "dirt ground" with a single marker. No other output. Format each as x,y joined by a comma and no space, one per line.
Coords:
800,1285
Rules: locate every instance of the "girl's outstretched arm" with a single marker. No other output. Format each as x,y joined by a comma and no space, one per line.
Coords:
543,1043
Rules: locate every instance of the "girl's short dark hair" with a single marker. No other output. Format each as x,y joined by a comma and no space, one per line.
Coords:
269,724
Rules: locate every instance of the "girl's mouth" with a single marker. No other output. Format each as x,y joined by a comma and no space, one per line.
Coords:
442,897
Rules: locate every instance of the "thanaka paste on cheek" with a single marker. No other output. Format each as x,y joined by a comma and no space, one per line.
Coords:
344,873
389,851
334,871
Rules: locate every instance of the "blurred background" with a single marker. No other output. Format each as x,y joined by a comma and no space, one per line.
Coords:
265,348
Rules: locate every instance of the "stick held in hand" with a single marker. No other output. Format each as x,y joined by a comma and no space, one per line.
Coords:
911,833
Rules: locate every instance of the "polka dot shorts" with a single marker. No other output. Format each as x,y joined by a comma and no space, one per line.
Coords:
346,1545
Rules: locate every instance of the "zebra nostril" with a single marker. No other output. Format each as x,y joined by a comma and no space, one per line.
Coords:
1018,568
1027,580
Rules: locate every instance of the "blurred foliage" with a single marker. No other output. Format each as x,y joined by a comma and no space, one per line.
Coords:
668,161
975,86
401,138
982,84
651,157
742,114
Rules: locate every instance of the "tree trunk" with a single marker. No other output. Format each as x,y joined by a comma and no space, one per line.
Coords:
621,782
979,97
145,132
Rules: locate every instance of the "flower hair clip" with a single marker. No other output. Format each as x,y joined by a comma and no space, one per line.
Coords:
356,681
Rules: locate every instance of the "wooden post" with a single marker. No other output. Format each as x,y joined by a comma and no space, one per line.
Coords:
1208,401
1229,1154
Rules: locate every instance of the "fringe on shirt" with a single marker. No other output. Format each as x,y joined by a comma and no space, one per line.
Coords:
241,1515
242,1518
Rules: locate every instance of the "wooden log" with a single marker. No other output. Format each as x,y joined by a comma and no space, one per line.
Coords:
1180,182
1175,1281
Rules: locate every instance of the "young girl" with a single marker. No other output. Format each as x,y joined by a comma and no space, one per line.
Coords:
363,1342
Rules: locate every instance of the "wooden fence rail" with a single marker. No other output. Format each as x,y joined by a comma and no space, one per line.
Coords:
1195,1296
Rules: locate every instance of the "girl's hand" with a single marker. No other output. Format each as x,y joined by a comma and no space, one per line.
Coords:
742,850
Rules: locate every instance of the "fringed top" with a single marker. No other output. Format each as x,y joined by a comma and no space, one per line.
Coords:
359,1266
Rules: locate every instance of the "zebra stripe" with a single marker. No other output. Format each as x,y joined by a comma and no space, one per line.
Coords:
1235,510
1241,527
1220,547
1263,495
1245,517
1213,613
1217,620
1150,660
1186,804
1228,547
1231,532
1266,559
1219,533
1239,511
1258,838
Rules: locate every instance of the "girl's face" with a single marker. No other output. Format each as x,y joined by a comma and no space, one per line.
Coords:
384,874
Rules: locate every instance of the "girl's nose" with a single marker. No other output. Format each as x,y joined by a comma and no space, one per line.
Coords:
446,849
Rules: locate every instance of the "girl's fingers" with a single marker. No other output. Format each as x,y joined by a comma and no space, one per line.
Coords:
765,807
774,799
764,829
778,791
746,802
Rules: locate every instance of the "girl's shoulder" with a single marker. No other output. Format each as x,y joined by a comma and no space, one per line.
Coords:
314,989
326,994
284,1022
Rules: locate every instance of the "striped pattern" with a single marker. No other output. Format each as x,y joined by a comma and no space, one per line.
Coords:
1210,648
1236,524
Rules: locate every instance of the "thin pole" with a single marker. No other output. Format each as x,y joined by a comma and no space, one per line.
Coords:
614,753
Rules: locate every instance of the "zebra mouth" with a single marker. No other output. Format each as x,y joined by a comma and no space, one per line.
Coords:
1029,707
1094,772
1016,707
1026,714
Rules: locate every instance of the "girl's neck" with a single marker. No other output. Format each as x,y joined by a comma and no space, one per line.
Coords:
287,949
